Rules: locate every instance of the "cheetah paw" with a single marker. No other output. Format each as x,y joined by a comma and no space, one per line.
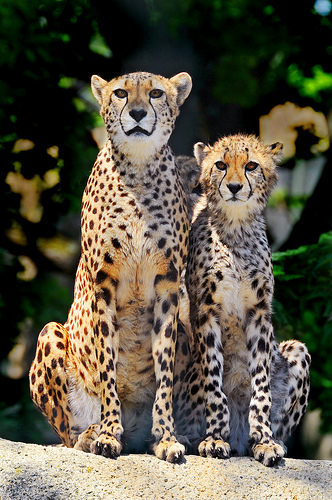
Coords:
172,452
269,454
108,447
214,448
86,438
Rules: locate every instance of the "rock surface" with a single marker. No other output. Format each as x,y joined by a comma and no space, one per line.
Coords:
34,472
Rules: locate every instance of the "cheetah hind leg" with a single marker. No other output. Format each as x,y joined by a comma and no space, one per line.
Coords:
296,392
290,390
49,383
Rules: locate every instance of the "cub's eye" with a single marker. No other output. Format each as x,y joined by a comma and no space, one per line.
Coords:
221,165
155,93
251,166
120,93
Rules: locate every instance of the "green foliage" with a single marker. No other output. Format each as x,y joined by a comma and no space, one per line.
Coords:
246,47
315,86
303,309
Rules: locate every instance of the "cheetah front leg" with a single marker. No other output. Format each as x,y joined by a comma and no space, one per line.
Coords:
106,338
189,403
164,336
216,439
259,341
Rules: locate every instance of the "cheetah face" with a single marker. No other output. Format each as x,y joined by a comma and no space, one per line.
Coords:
139,109
238,172
237,178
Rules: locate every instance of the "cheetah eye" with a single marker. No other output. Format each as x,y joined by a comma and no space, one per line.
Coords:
251,166
120,93
221,165
156,93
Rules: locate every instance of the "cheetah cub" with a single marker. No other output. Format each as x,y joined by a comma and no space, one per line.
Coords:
104,379
255,391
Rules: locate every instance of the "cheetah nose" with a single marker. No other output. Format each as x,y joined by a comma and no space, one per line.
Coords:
234,188
137,114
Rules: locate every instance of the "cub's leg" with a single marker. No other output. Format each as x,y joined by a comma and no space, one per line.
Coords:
259,344
164,336
290,387
188,400
209,338
49,384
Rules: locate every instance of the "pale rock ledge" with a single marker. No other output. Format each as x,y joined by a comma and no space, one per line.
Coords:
34,472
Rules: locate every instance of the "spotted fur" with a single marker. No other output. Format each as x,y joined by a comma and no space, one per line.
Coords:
253,390
104,379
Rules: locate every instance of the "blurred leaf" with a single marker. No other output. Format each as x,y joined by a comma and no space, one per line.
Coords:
303,307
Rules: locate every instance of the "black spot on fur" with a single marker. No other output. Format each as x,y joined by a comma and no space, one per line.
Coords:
101,276
116,243
219,275
161,243
261,345
104,329
171,275
210,340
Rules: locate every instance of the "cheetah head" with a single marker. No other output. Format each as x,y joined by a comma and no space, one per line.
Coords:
140,109
238,173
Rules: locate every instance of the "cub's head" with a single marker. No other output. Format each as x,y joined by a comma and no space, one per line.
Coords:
238,173
139,109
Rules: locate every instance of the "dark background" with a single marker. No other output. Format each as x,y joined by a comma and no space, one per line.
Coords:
245,58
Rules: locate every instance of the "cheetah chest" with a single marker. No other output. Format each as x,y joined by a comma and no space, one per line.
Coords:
131,236
236,293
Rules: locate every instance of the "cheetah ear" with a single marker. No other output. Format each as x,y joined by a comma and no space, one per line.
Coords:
200,151
183,85
97,85
275,151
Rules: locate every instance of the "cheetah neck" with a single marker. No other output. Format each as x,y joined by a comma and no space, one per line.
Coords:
236,232
233,224
139,171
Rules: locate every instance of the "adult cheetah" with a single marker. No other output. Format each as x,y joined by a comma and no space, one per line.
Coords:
254,390
104,379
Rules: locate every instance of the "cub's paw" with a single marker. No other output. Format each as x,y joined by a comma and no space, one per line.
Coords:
268,454
107,446
86,438
171,451
214,448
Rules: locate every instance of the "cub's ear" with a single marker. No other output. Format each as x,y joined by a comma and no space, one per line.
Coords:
183,85
200,151
275,151
97,85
